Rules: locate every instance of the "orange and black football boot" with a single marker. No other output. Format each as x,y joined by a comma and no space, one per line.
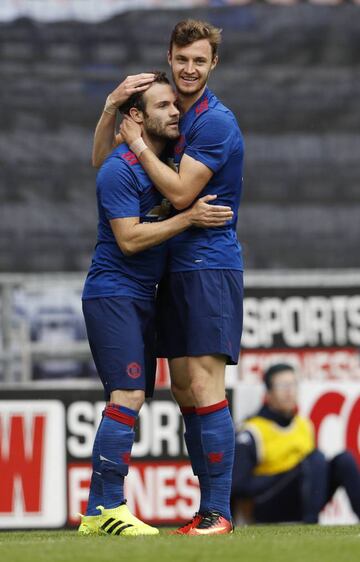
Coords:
184,530
212,523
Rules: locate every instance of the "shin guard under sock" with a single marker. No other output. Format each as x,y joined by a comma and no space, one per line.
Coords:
194,446
116,438
218,440
96,485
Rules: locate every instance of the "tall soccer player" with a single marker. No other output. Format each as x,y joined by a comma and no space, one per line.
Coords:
119,299
200,298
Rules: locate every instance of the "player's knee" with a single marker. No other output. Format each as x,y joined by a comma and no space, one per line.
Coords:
314,463
133,399
180,386
317,457
343,461
136,399
182,395
199,388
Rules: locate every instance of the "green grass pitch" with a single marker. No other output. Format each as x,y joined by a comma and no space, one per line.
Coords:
282,543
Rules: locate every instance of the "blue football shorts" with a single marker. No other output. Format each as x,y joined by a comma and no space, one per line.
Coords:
121,333
200,313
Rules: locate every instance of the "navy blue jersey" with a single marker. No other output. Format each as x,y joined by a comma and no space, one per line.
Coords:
124,190
210,135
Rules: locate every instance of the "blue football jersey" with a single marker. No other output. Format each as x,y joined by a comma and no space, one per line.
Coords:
124,190
210,134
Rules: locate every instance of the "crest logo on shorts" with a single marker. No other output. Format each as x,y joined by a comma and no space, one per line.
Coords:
133,370
215,457
126,457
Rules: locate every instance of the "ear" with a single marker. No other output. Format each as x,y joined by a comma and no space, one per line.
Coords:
169,57
136,115
214,62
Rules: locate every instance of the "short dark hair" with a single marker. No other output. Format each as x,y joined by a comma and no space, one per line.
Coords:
275,370
188,31
137,99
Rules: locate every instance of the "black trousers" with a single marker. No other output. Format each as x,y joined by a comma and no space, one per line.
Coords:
300,494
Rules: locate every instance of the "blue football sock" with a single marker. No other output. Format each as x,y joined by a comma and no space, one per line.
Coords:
96,485
194,446
116,439
218,439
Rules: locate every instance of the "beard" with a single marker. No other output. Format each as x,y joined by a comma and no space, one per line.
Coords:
156,128
186,92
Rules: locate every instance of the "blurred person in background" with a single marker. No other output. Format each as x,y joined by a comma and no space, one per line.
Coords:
279,474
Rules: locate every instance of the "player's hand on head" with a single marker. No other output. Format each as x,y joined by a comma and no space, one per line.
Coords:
204,214
131,85
130,130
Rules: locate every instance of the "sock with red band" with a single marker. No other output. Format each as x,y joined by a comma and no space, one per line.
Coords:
193,443
218,440
96,484
116,438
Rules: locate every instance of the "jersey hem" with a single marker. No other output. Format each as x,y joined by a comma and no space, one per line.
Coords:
111,295
205,269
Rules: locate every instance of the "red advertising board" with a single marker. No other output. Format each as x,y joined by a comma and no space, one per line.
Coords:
46,434
311,321
46,440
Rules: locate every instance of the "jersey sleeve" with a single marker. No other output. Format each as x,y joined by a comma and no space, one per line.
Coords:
119,195
210,140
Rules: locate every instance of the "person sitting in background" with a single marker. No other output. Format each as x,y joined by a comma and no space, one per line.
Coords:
279,475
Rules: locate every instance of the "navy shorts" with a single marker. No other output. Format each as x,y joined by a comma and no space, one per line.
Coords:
200,313
121,333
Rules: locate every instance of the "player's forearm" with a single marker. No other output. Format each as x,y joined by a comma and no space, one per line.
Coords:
146,235
167,181
103,138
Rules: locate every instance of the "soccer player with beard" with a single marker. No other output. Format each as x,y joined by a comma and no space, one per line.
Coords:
200,298
119,300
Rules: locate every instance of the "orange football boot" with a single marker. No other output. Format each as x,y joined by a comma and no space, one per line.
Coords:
212,523
184,530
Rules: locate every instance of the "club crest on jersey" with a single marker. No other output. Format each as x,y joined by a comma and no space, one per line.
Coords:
133,370
202,106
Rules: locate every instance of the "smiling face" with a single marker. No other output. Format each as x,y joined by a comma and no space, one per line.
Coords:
161,115
191,65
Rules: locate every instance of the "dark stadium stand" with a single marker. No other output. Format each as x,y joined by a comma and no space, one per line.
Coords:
291,76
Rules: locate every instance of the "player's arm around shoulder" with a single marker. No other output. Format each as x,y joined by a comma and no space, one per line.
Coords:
193,178
209,144
182,188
